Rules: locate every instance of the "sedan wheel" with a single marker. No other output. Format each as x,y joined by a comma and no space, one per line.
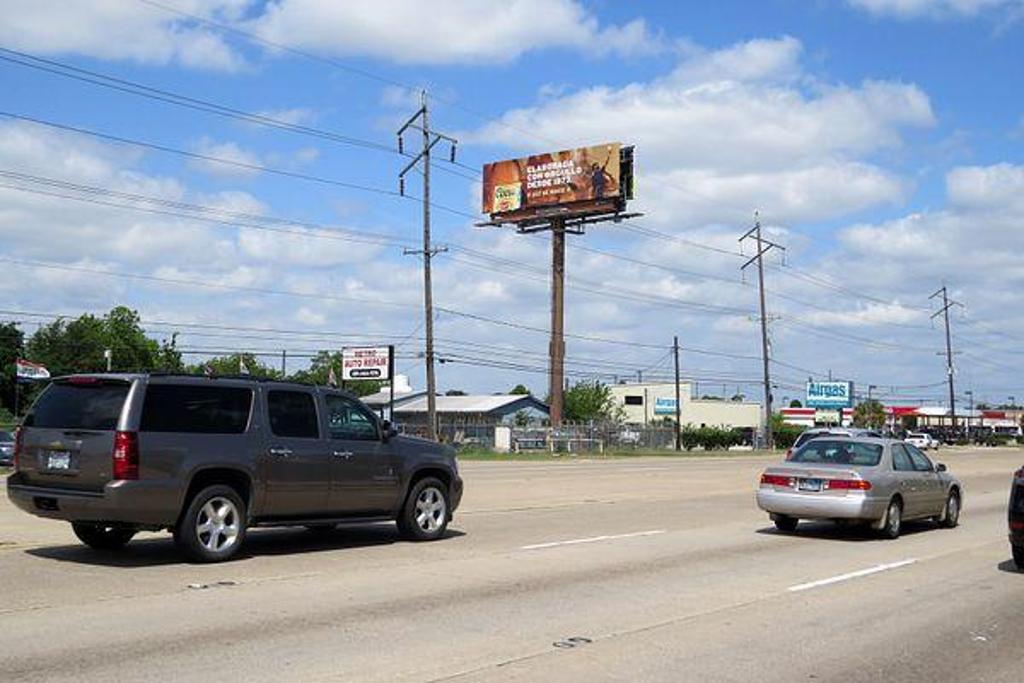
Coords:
951,514
893,520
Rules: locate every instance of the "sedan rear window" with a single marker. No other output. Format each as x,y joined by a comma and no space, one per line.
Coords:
94,405
839,452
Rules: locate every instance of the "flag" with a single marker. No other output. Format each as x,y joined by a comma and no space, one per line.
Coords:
332,379
242,370
30,372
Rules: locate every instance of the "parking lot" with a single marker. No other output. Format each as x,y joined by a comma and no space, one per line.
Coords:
632,569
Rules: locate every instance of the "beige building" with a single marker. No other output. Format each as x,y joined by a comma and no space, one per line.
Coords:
654,402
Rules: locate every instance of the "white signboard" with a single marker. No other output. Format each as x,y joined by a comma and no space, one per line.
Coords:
664,406
366,362
31,371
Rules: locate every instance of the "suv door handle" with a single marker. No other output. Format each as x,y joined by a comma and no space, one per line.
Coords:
281,452
343,454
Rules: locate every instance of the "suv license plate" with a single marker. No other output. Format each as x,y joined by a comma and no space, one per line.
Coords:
809,485
58,460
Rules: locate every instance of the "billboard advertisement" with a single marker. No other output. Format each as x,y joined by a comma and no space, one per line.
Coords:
581,179
829,395
27,371
366,362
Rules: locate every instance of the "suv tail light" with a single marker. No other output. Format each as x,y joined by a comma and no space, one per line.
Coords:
19,441
1019,474
776,480
848,485
789,453
126,455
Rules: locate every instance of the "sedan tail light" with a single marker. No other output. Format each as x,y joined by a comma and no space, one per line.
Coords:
776,480
126,455
848,485
1019,474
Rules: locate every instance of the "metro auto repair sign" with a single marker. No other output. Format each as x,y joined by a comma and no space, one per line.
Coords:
366,362
829,394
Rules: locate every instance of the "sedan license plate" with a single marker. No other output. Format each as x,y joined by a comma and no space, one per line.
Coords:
809,485
58,460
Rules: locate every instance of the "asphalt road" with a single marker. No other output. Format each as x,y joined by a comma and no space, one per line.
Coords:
655,569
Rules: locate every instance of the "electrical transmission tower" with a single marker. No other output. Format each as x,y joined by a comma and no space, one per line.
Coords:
947,303
421,121
763,247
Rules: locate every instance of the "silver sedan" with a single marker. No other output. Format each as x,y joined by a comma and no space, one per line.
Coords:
880,482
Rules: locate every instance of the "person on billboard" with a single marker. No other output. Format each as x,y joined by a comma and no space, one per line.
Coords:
599,177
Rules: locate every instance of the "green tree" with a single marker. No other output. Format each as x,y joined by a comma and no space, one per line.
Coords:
795,403
69,346
455,392
232,365
590,400
168,357
12,343
519,390
869,414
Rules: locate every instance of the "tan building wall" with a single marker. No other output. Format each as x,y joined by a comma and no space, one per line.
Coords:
641,405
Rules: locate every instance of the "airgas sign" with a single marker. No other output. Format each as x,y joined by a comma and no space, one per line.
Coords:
829,394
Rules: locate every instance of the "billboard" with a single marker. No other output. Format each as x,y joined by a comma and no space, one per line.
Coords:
366,362
829,395
581,180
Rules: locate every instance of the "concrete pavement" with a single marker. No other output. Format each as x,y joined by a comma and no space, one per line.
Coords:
651,569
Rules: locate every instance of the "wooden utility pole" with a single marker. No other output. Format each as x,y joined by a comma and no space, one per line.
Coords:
679,405
556,375
421,121
763,247
944,312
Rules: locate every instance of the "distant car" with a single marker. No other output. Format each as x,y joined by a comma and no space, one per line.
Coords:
1016,518
818,432
922,440
6,449
880,482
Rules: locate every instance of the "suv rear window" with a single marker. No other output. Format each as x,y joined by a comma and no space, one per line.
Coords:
196,409
94,405
836,452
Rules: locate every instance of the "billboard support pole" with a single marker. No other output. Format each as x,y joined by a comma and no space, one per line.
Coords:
557,345
763,247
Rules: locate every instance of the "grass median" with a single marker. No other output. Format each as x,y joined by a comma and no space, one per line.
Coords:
475,454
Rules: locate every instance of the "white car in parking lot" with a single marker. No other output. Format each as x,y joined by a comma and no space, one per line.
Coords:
922,440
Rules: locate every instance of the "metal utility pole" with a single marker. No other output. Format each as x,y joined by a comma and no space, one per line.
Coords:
944,312
763,247
421,121
679,405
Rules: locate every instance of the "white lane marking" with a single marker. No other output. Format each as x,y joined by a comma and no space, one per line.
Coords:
851,575
592,539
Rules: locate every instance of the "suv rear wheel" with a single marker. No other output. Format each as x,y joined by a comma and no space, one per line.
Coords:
425,514
103,536
213,526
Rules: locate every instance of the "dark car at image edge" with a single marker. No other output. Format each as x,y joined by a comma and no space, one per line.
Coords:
1016,518
208,458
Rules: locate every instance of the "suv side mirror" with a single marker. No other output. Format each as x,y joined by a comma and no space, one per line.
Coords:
388,430
940,467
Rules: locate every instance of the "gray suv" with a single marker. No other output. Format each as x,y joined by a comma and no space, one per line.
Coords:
207,458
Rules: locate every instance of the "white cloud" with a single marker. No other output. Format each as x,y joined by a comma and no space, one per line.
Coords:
910,9
456,31
994,187
114,29
241,159
733,130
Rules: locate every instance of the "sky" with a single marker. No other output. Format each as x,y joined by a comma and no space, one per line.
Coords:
229,169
